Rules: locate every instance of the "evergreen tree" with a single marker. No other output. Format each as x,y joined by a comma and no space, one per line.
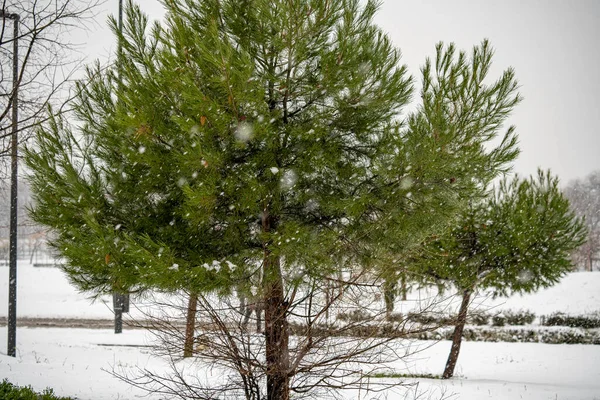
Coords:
260,138
461,111
517,240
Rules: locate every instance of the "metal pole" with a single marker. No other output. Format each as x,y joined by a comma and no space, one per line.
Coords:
118,307
12,274
118,297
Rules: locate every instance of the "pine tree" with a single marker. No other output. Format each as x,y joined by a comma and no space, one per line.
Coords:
255,139
461,111
517,240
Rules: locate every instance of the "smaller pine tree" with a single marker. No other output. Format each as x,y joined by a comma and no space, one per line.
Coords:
517,240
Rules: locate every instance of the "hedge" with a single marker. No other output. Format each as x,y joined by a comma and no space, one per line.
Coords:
8,391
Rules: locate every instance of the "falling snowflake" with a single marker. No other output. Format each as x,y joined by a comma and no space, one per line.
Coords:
288,180
244,132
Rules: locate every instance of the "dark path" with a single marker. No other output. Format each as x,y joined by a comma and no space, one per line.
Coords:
74,323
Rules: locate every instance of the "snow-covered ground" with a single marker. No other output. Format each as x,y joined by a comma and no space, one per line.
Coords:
75,361
46,293
577,293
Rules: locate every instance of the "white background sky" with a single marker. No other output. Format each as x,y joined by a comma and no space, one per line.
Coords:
552,44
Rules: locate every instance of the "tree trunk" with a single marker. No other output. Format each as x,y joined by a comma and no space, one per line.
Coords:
457,335
190,325
276,324
389,295
327,301
276,333
403,288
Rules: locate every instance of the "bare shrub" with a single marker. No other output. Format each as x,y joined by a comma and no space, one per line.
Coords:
327,355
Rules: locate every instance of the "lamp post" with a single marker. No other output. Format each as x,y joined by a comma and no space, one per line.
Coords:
119,304
12,274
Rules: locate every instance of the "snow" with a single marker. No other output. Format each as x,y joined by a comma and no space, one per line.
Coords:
53,357
244,132
46,293
288,180
577,293
514,371
75,362
72,362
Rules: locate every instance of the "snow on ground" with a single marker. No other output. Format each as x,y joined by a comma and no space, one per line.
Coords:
577,293
46,293
75,363
72,363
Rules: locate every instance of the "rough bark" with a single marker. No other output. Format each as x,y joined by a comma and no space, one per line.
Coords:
389,295
276,324
457,335
190,324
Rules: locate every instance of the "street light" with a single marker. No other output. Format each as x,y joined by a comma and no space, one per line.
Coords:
12,274
120,300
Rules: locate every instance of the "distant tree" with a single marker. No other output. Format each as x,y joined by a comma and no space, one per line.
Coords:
31,235
517,240
584,196
46,60
263,139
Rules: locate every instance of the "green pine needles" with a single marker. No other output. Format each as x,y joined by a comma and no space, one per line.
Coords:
264,140
517,239
227,113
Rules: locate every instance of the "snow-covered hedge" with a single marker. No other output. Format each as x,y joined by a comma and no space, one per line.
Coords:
574,321
559,335
524,334
513,318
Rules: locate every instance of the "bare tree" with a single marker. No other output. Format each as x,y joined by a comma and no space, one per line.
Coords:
584,195
340,340
46,62
32,236
46,59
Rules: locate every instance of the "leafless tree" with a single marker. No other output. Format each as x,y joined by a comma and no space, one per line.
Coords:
340,340
31,236
584,195
47,60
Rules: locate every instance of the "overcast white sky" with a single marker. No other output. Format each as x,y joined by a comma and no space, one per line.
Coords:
552,44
